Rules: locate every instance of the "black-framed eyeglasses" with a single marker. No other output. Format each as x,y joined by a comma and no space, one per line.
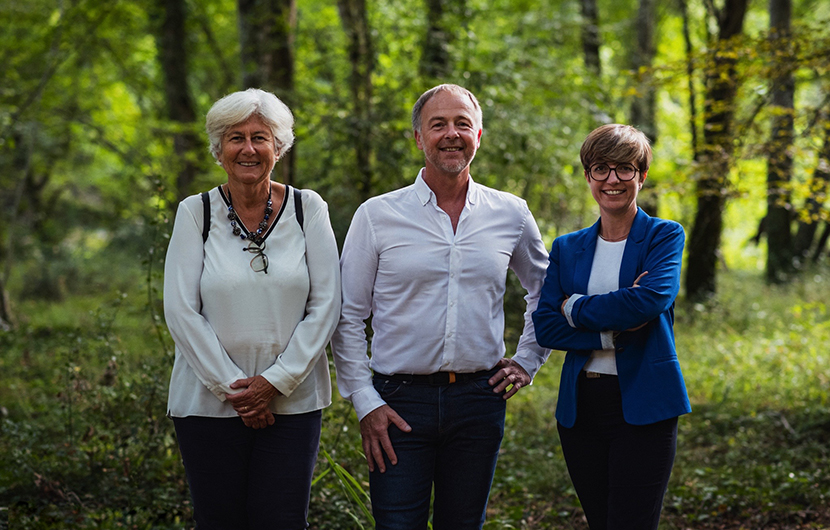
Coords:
259,263
601,171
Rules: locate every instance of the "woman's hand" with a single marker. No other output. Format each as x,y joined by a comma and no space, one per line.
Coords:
637,284
252,404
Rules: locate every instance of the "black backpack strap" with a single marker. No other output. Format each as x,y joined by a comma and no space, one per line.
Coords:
298,207
206,216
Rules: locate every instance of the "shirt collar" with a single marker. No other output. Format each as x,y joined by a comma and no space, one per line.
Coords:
424,193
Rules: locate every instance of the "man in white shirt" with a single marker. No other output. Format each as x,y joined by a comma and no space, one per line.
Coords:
429,263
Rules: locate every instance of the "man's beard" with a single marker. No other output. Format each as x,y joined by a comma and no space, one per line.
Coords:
449,166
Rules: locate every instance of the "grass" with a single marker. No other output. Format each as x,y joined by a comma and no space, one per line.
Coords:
84,442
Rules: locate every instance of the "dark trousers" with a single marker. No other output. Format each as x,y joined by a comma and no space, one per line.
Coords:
620,471
453,448
242,478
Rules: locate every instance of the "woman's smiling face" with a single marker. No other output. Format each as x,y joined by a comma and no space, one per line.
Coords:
615,196
249,151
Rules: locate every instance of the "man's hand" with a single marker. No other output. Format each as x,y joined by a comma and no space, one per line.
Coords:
510,373
374,429
253,403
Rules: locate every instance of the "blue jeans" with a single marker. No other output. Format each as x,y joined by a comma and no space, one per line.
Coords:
242,478
453,447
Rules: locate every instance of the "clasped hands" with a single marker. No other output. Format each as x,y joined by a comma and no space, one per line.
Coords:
252,403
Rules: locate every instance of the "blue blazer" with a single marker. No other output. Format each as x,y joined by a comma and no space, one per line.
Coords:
650,379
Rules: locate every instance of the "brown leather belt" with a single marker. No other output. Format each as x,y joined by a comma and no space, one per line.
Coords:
596,375
438,378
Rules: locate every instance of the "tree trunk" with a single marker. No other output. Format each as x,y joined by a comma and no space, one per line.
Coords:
715,155
6,319
362,60
435,58
590,35
690,71
172,55
266,32
819,184
780,161
8,218
822,241
643,107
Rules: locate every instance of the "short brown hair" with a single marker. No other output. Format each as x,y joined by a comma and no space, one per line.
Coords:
616,143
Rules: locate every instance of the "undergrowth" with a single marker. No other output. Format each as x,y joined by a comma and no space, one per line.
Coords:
84,441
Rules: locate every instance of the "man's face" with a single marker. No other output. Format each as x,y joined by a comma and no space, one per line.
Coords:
450,133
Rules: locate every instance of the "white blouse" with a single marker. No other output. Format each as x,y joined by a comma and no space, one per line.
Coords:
229,322
605,278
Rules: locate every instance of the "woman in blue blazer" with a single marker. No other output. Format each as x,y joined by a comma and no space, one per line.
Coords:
608,300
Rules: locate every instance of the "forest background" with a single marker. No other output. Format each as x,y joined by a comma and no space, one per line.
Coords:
102,110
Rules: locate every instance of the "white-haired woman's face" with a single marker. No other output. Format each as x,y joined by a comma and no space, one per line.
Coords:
248,152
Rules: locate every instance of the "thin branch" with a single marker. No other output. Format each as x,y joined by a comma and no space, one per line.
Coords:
48,73
50,70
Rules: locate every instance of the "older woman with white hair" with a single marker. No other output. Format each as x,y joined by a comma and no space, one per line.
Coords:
251,298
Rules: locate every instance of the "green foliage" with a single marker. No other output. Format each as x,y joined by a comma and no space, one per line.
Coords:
353,489
87,172
755,449
84,442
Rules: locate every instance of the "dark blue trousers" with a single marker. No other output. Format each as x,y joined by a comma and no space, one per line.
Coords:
451,452
242,478
620,471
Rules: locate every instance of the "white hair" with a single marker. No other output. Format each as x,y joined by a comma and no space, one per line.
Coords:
237,107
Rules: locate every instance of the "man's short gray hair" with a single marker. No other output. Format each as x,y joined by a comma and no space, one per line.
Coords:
237,107
426,96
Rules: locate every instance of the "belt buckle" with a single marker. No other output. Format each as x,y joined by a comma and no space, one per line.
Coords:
592,375
442,378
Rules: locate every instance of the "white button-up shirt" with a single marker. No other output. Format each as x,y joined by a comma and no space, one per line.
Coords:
435,296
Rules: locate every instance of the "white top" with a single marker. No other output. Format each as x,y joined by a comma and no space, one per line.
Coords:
229,322
604,278
436,297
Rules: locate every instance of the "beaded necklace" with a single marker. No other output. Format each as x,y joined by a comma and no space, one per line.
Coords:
238,228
